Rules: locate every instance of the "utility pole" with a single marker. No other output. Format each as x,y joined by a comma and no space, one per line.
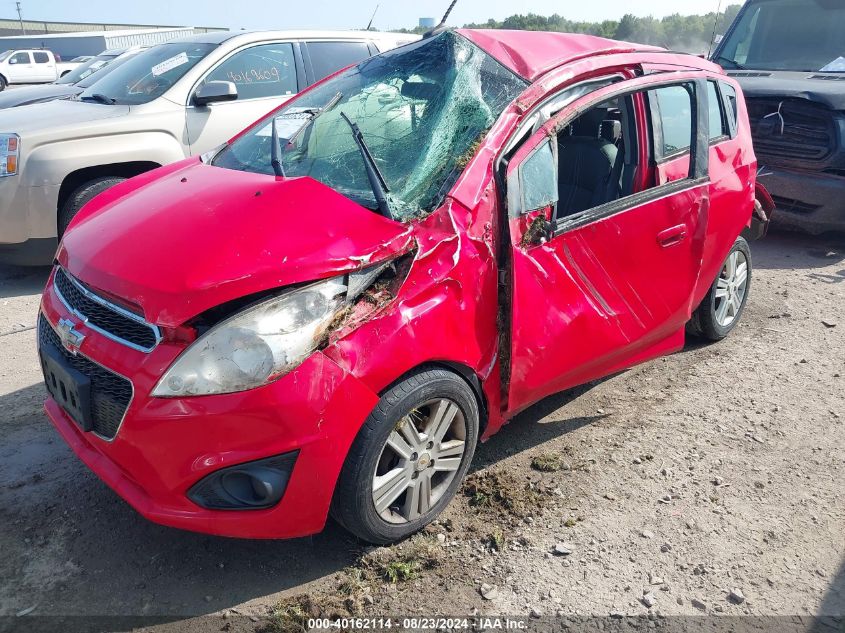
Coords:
20,18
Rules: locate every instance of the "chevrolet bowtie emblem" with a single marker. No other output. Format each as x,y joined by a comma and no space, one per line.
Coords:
71,339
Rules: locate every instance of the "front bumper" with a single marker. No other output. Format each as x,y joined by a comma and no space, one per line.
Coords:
811,201
165,446
27,222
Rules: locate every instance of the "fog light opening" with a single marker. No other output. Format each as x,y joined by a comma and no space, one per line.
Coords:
254,487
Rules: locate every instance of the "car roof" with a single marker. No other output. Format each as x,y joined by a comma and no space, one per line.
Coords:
531,54
219,37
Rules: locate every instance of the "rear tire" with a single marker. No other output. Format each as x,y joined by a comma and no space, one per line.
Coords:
3,83
82,196
724,303
409,458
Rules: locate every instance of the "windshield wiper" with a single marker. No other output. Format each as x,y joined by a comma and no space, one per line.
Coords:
733,62
313,113
275,161
99,98
374,175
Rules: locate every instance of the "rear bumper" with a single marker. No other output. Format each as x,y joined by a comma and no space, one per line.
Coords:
809,201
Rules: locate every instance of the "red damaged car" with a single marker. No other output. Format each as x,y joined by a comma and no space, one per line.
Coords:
326,314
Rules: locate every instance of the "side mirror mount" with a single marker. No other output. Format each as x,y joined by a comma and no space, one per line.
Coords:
215,92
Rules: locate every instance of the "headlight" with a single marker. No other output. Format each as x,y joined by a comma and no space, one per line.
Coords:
10,145
257,345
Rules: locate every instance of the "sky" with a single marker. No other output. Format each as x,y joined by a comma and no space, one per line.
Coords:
332,14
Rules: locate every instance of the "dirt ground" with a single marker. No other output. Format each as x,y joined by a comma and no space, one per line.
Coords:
710,481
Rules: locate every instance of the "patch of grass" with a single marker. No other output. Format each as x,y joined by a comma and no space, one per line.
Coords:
501,492
496,539
547,462
291,615
403,562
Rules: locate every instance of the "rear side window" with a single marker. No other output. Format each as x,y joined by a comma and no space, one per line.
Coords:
671,108
41,58
714,105
329,57
268,70
730,96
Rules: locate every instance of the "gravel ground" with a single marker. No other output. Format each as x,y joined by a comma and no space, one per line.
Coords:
706,482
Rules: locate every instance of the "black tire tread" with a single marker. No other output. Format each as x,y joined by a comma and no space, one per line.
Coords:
703,323
80,197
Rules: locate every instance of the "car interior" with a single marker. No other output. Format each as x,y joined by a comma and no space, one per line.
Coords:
597,157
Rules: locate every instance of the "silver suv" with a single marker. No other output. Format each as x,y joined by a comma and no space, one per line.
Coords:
171,101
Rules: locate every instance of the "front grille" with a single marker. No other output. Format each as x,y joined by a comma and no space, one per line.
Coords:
110,393
803,130
111,320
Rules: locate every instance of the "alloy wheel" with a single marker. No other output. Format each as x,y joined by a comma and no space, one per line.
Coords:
419,461
731,288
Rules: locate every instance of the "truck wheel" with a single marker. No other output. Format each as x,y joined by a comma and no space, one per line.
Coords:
409,457
724,303
3,83
82,196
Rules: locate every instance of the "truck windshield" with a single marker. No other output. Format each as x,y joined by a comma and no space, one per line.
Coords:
4,55
421,109
799,35
149,74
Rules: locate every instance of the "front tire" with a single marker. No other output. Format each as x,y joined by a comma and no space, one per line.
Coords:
724,303
3,83
409,458
82,196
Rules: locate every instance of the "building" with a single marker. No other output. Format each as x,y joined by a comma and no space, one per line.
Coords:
428,23
70,39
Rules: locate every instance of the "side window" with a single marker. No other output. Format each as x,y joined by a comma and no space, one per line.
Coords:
329,57
261,71
20,58
672,113
729,93
41,58
538,180
717,120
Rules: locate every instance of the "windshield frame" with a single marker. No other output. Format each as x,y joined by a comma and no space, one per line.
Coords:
425,182
733,37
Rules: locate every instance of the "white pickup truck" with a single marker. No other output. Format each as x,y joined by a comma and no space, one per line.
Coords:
31,66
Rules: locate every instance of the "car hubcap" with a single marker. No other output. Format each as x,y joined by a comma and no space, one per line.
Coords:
419,461
731,287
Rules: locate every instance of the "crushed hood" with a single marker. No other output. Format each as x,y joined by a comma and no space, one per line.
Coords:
824,88
180,240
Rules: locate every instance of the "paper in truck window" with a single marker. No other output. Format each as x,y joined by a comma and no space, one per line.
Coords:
170,64
836,66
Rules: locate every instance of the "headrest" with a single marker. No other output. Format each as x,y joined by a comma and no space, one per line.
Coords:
588,123
611,130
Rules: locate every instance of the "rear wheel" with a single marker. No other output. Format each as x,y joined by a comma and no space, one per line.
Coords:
724,303
409,458
3,83
82,196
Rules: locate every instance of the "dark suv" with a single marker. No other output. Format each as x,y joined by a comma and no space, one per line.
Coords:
789,57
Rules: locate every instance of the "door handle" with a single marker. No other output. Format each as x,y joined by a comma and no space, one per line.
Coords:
672,235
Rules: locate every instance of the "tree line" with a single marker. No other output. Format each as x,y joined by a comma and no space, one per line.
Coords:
687,33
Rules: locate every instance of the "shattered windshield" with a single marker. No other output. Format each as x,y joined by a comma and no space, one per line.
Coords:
799,35
421,110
